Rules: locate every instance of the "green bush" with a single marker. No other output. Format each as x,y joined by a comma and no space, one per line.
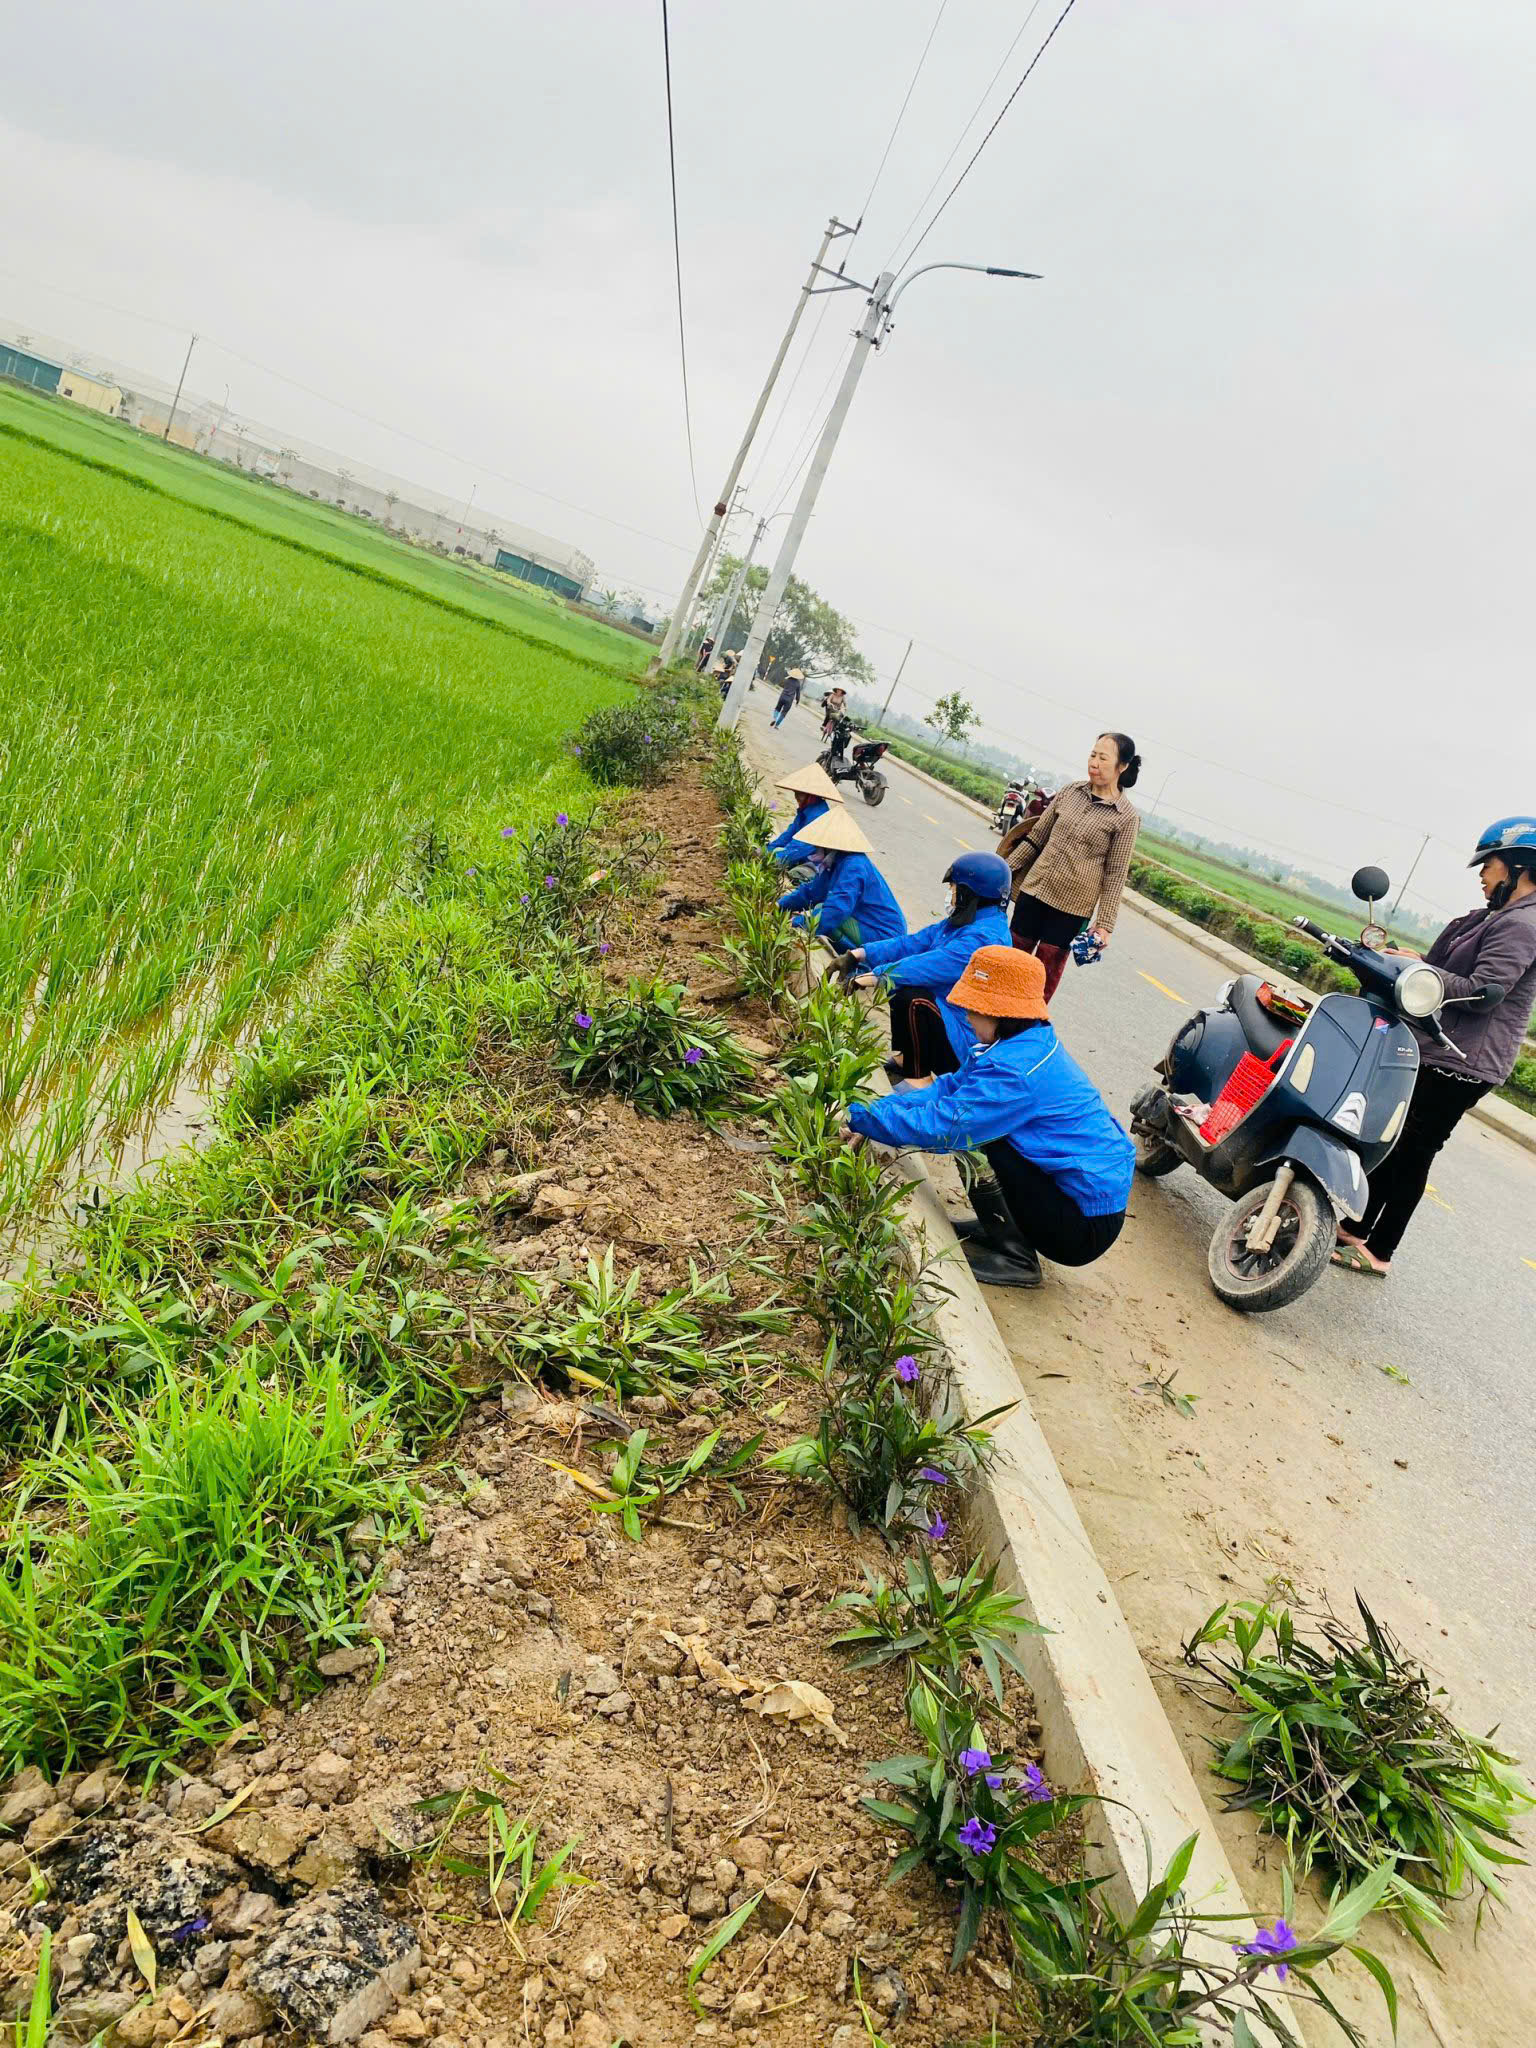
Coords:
633,744
648,1047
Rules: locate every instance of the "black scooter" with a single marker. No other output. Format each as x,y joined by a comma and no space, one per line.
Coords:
1287,1106
862,767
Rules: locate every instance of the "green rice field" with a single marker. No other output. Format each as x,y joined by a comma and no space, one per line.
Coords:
218,741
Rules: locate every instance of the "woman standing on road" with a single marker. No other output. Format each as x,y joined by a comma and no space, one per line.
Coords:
1075,857
1062,1163
789,696
1488,959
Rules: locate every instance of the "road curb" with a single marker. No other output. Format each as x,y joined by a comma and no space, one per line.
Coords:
1514,1124
1104,1728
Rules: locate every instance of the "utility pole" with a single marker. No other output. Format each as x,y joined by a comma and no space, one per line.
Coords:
895,679
1397,906
878,315
871,328
696,575
712,631
725,610
192,344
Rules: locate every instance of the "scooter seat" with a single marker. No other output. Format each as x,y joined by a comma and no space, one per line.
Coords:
1265,1037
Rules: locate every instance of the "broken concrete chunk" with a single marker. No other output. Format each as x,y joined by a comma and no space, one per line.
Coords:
338,1965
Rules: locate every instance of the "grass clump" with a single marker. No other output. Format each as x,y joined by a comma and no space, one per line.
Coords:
634,744
1343,1751
190,1552
648,1046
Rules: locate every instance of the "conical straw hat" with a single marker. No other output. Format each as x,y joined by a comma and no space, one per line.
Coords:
812,780
836,831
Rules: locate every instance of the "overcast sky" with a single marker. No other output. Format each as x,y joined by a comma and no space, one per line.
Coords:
1249,474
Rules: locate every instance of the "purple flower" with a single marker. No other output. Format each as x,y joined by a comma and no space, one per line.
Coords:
509,831
1034,1784
906,1368
561,818
693,1055
549,881
933,1475
1275,1942
994,1779
646,737
523,898
582,1021
577,752
978,1837
937,1529
604,949
974,1760
471,871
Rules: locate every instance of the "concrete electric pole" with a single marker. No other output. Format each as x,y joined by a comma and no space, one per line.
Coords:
171,420
878,315
699,570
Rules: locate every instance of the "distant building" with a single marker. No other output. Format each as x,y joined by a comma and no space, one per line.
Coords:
541,573
87,391
24,368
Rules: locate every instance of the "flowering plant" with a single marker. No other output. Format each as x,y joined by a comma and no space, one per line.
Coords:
644,1044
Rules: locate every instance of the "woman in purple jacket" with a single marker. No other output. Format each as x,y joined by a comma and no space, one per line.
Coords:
1488,959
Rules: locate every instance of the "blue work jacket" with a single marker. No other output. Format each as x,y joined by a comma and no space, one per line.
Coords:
1029,1092
850,889
934,960
787,847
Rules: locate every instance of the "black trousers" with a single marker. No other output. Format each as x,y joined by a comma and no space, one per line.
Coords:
1047,1217
918,1036
1397,1186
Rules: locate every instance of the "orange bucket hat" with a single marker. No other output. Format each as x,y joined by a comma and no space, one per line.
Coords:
1000,981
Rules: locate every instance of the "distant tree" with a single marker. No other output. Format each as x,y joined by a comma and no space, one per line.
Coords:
952,717
807,634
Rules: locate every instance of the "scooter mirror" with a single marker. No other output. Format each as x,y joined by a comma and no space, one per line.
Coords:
1371,884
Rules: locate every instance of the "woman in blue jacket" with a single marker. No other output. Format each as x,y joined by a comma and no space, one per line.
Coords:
928,1034
813,790
852,895
1062,1164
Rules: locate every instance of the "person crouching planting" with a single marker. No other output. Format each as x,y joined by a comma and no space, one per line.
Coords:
928,1034
854,898
813,790
1062,1163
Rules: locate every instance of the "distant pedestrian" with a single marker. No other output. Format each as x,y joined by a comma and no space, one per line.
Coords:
1074,857
1488,959
789,696
705,652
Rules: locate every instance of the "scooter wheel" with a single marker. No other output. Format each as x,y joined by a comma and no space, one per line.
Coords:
876,795
1154,1158
1256,1282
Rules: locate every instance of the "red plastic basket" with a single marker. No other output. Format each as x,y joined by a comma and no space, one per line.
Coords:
1246,1084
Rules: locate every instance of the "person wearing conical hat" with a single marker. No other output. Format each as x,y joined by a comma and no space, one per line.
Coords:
1062,1163
812,789
789,696
852,896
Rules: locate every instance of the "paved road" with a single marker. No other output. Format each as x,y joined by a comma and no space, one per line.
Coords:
1458,1315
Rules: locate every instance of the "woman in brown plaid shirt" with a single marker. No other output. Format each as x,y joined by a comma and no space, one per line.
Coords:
1075,857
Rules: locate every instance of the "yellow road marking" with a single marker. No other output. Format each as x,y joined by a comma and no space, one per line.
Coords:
931,821
1162,986
905,799
1529,1262
965,843
1435,1196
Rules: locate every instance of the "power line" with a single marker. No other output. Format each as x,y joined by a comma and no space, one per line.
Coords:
959,141
812,427
677,258
901,114
778,418
1007,103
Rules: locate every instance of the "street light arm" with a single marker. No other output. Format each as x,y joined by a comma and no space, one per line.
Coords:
984,269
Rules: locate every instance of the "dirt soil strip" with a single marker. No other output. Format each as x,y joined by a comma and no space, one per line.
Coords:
622,1694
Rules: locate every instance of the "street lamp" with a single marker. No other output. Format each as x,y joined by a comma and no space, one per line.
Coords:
872,331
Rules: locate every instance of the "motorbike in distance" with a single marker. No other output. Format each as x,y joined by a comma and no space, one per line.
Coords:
861,766
1286,1106
1022,803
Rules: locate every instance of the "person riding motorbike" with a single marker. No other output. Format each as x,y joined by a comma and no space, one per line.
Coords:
1072,860
928,1034
1488,960
833,705
853,897
1062,1163
812,789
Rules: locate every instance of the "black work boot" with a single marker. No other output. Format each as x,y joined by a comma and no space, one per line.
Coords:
994,1249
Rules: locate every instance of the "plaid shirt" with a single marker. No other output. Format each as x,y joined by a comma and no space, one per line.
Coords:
1077,853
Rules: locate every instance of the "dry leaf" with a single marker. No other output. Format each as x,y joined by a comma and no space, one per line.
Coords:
143,1950
711,1668
223,1812
792,1700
